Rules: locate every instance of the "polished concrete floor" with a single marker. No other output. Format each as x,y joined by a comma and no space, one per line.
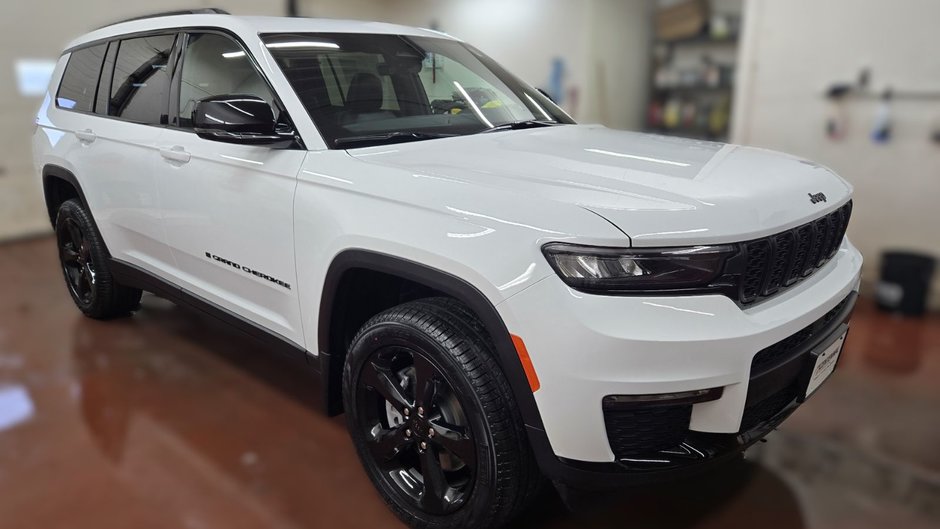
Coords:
170,420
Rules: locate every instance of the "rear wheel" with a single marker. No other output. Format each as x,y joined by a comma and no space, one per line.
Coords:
84,263
433,418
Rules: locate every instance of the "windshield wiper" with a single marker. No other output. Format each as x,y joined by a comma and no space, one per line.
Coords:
388,137
525,124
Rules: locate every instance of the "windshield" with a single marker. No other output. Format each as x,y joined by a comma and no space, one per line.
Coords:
364,90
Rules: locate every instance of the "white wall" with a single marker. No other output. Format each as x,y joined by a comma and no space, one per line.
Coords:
619,34
793,50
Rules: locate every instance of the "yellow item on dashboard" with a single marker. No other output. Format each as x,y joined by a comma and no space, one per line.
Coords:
672,113
495,103
719,117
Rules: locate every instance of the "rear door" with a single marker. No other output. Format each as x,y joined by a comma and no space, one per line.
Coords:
117,146
228,208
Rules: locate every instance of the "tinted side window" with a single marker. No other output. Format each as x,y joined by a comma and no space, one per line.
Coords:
77,89
216,65
141,82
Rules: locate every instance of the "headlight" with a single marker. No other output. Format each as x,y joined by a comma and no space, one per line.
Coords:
594,268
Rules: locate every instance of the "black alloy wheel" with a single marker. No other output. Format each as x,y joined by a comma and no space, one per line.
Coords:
417,428
77,263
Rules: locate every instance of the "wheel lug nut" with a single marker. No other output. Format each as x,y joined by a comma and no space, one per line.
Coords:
407,433
420,410
424,446
431,432
407,412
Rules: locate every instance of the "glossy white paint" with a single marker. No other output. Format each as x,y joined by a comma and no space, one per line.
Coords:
659,190
478,207
236,202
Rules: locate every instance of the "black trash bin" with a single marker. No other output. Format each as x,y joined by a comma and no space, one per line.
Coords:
904,286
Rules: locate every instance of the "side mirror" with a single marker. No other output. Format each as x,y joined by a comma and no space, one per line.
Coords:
241,119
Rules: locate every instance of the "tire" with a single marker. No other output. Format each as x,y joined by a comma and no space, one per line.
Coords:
84,261
434,353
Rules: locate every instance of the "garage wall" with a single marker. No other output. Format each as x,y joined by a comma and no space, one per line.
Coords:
619,35
793,50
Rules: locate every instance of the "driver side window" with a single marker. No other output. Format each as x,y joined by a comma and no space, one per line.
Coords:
216,65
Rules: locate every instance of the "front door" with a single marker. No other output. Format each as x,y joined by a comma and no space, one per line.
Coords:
228,208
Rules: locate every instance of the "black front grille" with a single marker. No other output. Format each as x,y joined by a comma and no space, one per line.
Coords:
758,256
646,430
781,260
780,265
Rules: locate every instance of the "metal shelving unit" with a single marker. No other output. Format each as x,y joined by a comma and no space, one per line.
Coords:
691,85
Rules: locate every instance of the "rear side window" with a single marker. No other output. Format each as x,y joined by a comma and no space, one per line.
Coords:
141,82
80,80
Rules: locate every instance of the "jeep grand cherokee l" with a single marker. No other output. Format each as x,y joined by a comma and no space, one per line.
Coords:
492,293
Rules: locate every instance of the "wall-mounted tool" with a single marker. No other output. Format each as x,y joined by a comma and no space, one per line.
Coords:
838,93
837,122
881,129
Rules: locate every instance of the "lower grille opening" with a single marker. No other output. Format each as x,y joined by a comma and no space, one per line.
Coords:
776,359
773,356
646,430
760,412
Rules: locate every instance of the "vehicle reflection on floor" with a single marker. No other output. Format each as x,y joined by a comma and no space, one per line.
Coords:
169,419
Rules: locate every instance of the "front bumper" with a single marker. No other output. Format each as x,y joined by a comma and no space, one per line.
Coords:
585,347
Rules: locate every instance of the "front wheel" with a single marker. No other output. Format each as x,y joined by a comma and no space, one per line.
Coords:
433,418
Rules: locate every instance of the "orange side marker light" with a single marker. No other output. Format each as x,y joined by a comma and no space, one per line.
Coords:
526,363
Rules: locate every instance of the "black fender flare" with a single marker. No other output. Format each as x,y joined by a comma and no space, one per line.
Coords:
50,171
441,281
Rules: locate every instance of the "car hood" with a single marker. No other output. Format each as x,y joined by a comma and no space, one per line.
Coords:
658,190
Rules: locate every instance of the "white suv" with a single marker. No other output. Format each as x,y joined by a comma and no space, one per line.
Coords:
492,293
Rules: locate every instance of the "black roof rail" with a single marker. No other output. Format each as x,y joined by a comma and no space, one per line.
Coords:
201,11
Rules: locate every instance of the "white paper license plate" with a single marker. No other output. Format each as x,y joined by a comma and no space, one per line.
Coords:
825,364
